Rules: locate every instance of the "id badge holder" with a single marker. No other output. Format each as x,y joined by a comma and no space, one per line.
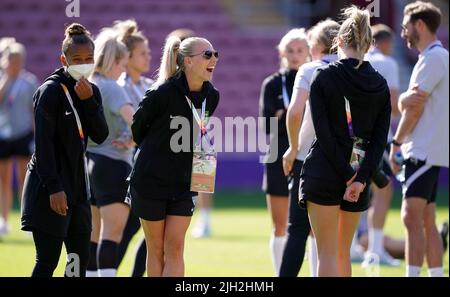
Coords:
204,165
358,153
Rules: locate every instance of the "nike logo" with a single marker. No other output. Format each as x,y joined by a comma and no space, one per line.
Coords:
68,112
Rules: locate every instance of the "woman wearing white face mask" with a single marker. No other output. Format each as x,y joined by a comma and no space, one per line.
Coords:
68,110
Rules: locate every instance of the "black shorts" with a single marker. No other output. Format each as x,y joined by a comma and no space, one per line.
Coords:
38,215
274,180
324,192
108,178
22,147
158,209
421,180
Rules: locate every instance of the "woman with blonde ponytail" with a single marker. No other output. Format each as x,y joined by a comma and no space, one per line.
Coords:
160,182
350,108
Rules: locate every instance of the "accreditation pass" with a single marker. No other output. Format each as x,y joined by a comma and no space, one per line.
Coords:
203,178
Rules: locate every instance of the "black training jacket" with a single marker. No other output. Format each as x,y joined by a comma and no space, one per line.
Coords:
369,98
159,172
271,99
58,160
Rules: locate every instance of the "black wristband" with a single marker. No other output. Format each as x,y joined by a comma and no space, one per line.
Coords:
396,143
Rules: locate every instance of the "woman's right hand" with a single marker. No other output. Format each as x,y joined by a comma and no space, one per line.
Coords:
58,203
288,160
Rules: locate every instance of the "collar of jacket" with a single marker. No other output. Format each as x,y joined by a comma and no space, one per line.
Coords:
180,82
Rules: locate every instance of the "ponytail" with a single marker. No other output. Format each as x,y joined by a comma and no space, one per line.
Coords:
170,61
355,31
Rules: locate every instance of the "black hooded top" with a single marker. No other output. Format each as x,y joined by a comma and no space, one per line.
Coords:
271,99
159,172
58,160
370,105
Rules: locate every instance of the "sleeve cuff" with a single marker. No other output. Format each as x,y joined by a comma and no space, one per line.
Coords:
362,176
54,187
349,173
90,103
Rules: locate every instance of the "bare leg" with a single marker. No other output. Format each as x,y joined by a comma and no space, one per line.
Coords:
324,223
434,246
348,222
154,238
174,234
413,211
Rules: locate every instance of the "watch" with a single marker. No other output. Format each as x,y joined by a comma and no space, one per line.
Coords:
396,143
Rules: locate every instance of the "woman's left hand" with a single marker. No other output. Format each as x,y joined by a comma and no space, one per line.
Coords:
353,191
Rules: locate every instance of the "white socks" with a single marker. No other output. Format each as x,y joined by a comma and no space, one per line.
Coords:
205,216
277,244
376,241
312,256
412,271
109,272
436,272
91,273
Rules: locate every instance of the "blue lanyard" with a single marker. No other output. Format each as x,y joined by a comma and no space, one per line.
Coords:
284,91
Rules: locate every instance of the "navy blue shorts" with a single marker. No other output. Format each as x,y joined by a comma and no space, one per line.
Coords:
22,147
108,178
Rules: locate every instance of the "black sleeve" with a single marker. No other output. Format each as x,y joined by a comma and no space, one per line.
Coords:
327,141
47,102
267,103
378,142
96,126
149,108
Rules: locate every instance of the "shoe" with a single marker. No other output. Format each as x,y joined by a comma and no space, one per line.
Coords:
444,234
4,228
356,253
201,231
383,258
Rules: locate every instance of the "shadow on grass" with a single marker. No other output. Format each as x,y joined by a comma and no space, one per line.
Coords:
235,198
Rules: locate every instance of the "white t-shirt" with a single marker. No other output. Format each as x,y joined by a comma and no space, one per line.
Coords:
429,140
388,68
303,81
385,65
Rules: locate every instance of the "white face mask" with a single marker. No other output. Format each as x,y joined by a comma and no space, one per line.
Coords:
81,70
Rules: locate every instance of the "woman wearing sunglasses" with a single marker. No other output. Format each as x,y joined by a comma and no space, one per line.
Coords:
161,178
275,96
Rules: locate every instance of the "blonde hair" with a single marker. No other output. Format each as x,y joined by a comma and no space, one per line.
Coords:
129,33
10,47
172,61
324,33
293,34
355,31
108,50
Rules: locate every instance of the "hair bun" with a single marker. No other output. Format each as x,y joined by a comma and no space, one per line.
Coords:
126,28
76,29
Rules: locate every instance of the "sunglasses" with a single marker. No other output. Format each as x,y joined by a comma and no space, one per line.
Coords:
207,54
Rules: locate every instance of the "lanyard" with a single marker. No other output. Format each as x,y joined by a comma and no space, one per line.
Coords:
83,141
15,88
349,118
200,121
138,93
284,91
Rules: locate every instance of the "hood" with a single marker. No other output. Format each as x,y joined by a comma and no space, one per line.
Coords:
197,98
61,76
358,84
